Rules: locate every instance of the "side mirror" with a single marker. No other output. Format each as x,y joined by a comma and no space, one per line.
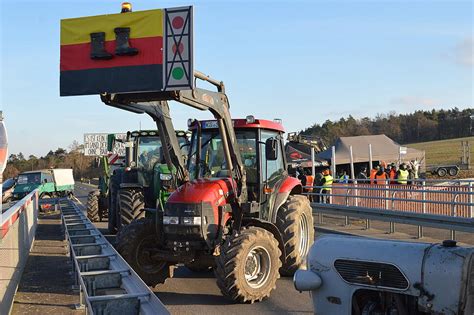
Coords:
271,149
110,142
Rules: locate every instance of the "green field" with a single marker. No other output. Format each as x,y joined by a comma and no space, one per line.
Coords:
444,151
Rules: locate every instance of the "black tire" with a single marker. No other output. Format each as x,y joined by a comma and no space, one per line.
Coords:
103,208
112,211
93,206
198,266
131,205
131,240
295,222
231,265
441,172
453,171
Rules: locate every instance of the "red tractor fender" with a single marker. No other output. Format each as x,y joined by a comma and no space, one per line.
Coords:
289,186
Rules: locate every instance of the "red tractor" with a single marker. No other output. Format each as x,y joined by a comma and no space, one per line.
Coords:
235,208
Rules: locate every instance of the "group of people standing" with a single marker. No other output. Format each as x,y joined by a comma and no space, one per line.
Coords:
406,174
382,174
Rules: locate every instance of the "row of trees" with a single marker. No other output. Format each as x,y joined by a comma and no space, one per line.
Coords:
83,166
419,126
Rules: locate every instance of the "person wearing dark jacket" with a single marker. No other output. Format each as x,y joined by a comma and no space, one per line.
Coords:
363,175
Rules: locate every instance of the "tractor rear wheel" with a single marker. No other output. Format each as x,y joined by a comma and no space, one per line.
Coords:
93,206
131,205
247,268
295,222
134,243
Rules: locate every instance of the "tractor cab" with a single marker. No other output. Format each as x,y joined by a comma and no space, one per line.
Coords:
263,175
146,166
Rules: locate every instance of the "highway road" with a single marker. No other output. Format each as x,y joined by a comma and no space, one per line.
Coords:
197,293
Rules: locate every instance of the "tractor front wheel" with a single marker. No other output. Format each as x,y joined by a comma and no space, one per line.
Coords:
247,268
134,243
131,205
93,206
295,222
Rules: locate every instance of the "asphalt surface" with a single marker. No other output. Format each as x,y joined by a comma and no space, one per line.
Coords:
197,293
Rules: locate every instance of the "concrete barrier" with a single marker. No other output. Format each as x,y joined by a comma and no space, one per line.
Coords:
17,233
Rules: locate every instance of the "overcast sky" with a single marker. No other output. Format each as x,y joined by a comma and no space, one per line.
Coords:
301,61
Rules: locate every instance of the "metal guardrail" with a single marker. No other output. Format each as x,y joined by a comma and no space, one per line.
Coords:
106,283
17,233
411,218
422,205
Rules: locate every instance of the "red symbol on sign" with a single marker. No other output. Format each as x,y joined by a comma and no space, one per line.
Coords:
178,22
296,155
181,48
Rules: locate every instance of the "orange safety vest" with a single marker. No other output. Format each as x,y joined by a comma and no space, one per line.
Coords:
372,175
309,182
380,179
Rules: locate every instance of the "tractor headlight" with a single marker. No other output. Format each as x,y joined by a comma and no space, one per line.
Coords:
170,220
192,220
166,176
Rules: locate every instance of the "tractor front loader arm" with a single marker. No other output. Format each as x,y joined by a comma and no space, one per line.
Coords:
159,111
215,102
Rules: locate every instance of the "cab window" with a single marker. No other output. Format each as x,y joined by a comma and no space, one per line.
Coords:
273,168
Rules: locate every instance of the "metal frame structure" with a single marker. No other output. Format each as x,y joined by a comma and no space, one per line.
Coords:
106,283
421,219
215,102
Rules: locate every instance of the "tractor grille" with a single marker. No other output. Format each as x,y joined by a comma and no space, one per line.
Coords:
371,274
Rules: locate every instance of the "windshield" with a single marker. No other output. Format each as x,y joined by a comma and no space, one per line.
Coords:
150,152
31,178
212,163
8,184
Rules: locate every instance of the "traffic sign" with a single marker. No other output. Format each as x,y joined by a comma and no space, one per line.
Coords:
142,51
95,144
178,47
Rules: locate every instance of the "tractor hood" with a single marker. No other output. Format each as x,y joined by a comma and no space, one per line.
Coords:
213,191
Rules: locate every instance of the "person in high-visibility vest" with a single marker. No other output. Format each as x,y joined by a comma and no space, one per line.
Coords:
393,173
344,178
373,171
326,184
381,177
402,175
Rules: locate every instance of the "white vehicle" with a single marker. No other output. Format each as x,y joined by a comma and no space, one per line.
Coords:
352,275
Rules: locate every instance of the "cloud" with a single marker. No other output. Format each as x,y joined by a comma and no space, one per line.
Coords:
415,101
463,53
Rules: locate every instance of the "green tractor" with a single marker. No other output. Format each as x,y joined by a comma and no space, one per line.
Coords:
145,182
